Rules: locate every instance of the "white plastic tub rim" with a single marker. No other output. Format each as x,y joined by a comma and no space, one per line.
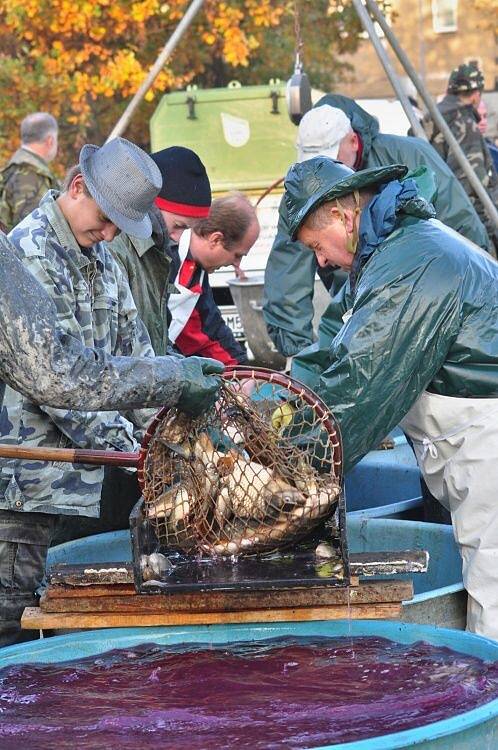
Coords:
80,645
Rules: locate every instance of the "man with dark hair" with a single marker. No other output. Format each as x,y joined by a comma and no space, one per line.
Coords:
27,177
221,239
172,293
412,340
339,128
62,242
460,110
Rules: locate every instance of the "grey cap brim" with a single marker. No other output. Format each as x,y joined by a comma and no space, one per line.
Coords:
139,227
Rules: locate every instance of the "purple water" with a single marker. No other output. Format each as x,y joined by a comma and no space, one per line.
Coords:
287,693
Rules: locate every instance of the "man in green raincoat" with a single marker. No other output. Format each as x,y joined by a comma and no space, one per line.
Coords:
412,339
339,128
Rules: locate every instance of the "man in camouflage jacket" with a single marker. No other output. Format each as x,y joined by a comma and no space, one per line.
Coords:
27,177
459,109
62,243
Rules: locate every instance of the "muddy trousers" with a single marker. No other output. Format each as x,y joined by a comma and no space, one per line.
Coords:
24,542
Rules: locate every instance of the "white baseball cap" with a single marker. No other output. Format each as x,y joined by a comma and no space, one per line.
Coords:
321,131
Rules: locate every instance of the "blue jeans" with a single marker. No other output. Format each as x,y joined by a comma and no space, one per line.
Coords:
24,542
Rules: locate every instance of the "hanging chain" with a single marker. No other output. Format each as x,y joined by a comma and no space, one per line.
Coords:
297,34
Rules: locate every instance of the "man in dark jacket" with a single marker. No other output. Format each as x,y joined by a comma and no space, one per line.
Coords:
338,127
411,340
460,110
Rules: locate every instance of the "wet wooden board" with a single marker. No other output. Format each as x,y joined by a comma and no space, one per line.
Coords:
109,599
63,591
35,619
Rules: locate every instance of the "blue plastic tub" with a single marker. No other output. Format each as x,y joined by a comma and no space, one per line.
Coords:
385,483
440,598
473,730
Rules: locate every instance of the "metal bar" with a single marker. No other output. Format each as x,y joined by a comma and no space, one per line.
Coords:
69,455
388,563
369,27
436,115
165,53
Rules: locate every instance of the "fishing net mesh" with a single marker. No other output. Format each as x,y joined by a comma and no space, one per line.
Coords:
254,474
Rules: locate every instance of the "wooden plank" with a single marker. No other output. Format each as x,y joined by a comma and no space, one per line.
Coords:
69,592
34,619
233,601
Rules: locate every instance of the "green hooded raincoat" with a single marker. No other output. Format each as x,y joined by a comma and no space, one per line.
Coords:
291,268
422,315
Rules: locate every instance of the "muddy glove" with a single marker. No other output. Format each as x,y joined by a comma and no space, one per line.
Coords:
201,384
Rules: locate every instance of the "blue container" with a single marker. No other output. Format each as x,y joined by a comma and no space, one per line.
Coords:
384,483
440,598
473,730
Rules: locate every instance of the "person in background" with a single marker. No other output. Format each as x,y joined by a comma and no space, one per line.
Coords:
62,242
27,176
413,341
460,110
482,111
178,309
339,128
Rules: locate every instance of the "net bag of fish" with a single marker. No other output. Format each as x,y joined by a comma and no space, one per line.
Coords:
255,474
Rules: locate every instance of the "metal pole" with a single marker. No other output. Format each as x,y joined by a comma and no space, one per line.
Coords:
165,53
436,115
367,24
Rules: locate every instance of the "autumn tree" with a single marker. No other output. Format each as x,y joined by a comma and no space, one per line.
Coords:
81,60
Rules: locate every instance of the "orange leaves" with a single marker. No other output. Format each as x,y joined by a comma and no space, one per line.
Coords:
233,28
265,13
82,58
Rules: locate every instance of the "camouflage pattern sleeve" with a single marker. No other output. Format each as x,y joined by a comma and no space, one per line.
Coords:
469,138
85,429
464,128
52,366
23,191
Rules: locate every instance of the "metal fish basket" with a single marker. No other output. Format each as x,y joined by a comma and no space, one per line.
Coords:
256,473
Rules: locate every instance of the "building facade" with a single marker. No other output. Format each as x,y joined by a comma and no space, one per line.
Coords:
437,35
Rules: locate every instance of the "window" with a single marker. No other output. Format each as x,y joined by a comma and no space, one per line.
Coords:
444,15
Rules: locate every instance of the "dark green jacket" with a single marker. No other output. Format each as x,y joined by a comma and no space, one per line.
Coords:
423,315
146,265
23,183
291,268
